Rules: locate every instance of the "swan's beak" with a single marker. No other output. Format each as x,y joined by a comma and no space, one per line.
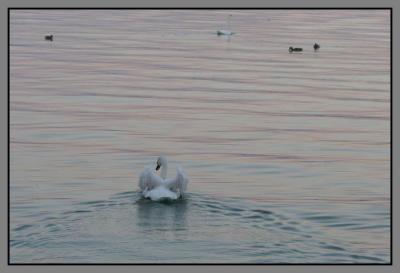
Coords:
158,166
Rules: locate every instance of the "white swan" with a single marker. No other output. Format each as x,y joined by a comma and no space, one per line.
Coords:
226,32
160,188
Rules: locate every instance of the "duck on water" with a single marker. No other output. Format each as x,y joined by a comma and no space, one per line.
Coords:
295,49
48,38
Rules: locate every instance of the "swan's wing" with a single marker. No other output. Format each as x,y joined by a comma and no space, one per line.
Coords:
179,183
148,180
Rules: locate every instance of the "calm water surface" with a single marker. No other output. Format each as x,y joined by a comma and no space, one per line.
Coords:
288,154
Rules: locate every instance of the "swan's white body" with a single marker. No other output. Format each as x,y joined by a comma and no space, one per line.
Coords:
226,32
160,188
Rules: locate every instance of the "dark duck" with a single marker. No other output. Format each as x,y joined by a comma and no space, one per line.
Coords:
295,49
48,38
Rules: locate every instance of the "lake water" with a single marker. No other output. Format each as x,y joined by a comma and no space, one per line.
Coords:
288,155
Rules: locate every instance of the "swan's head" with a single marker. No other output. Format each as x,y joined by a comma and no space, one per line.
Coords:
161,161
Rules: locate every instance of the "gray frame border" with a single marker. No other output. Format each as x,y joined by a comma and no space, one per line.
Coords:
4,119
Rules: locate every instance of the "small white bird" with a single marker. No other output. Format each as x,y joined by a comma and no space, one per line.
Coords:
160,188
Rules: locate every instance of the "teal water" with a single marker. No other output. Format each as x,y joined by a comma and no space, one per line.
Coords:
288,155
126,228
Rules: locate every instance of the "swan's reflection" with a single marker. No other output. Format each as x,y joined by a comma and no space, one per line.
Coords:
162,217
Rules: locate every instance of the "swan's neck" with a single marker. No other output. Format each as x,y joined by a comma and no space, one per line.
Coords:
164,170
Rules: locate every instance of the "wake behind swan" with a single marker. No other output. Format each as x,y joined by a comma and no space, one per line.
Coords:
158,188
